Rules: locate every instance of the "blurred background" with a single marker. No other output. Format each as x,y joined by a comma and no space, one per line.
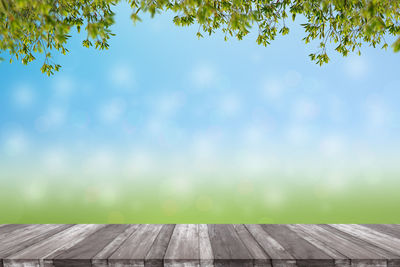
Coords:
166,128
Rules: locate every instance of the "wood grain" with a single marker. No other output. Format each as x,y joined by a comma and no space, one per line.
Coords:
206,253
28,237
360,255
228,249
17,233
82,253
371,236
259,256
305,253
100,259
71,239
279,256
7,228
184,247
135,248
36,253
389,229
204,245
155,256
339,258
361,243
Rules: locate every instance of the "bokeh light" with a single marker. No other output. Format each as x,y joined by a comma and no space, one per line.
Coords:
167,128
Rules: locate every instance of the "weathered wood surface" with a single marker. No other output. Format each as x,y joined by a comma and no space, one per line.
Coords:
203,245
184,246
134,250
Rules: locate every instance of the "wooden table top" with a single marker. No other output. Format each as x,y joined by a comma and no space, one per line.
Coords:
199,245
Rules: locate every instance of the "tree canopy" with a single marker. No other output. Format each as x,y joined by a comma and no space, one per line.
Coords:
29,28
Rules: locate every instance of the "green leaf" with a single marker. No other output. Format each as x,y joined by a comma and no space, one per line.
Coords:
396,45
29,27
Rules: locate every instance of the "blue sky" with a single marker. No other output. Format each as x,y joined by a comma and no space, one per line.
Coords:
160,94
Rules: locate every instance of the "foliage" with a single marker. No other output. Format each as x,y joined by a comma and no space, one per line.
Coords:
43,26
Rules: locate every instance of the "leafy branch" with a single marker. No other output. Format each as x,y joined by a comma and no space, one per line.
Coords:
42,26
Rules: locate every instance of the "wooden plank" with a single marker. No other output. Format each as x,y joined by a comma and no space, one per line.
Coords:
389,229
206,253
379,239
359,254
100,259
227,247
82,253
6,235
70,242
183,248
340,260
155,256
346,247
360,243
35,254
135,248
15,232
7,228
279,256
305,253
257,253
27,237
199,245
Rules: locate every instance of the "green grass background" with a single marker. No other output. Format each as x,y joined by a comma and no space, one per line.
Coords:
271,197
